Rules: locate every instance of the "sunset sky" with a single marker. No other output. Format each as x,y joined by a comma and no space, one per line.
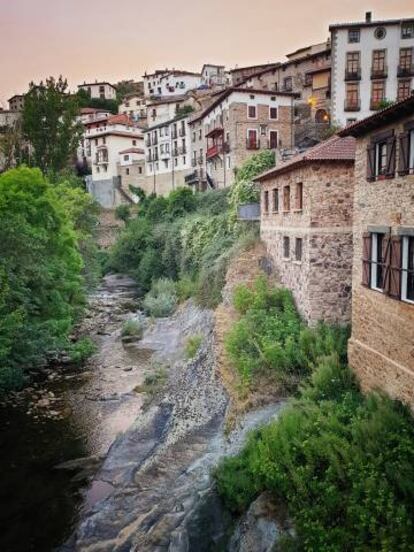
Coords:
113,40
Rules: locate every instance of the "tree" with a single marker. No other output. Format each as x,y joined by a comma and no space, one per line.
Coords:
84,100
49,125
11,146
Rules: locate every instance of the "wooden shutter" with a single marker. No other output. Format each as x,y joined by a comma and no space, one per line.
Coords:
386,262
403,160
391,147
395,268
371,162
366,259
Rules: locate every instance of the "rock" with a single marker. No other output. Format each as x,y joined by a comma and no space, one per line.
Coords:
43,403
128,369
260,528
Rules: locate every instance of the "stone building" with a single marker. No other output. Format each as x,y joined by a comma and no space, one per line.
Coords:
101,90
306,224
381,349
235,125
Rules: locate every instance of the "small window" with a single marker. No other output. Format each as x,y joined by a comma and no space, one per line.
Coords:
380,158
251,112
299,196
139,170
407,30
273,113
407,283
127,171
286,247
288,84
354,35
298,249
134,142
266,201
275,203
286,198
126,157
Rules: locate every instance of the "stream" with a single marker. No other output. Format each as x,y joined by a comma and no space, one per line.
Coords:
86,465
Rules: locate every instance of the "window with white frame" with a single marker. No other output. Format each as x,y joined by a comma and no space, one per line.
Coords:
377,261
407,266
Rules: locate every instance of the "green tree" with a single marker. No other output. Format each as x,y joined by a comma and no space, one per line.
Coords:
49,125
41,285
11,146
84,100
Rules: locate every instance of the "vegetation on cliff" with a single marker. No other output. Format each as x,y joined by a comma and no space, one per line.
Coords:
342,462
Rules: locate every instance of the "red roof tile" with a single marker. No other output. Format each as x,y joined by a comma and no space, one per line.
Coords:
333,149
121,119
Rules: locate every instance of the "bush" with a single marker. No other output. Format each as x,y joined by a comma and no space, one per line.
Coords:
192,345
161,300
343,463
186,288
80,351
123,212
132,328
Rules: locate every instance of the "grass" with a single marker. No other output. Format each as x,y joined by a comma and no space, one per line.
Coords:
132,328
192,345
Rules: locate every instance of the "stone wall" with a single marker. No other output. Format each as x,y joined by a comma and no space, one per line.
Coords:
381,349
321,280
163,184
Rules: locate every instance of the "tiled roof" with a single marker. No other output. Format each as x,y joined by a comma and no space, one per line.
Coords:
120,119
333,149
370,23
380,118
91,110
132,150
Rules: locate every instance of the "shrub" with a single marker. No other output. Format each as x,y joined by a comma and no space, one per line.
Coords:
123,212
186,287
80,351
132,328
192,345
161,300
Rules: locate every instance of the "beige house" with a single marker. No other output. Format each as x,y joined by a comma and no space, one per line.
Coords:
16,102
306,224
101,90
134,105
235,125
381,349
131,170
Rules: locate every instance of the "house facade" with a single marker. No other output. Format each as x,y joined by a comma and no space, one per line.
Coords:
235,125
101,90
106,139
372,63
213,75
381,348
16,102
170,82
131,170
306,224
134,106
168,155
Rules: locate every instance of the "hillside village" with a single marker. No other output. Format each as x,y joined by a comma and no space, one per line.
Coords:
335,214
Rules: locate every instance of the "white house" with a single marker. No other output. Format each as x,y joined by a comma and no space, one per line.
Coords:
134,105
170,82
107,138
90,118
372,62
102,90
213,75
167,155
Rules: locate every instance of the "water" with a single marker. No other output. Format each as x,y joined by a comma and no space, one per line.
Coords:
39,504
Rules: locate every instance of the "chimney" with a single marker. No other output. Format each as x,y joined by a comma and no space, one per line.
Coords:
368,17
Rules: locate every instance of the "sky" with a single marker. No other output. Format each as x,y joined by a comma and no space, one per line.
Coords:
121,39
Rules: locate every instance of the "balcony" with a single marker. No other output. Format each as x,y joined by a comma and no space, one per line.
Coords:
165,155
405,71
252,144
182,150
174,134
353,74
175,152
213,151
182,132
148,142
375,105
154,140
351,104
194,162
216,131
379,72
200,159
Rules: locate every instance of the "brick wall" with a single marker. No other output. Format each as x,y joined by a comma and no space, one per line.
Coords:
321,281
381,349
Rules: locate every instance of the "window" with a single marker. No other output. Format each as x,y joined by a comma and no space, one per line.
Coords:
134,142
139,170
377,261
381,156
407,30
377,94
354,35
352,96
404,89
165,163
275,202
288,84
352,65
251,111
252,139
272,139
380,33
407,276
266,201
286,198
406,60
378,63
126,157
298,249
350,121
273,113
286,247
228,161
299,196
127,171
